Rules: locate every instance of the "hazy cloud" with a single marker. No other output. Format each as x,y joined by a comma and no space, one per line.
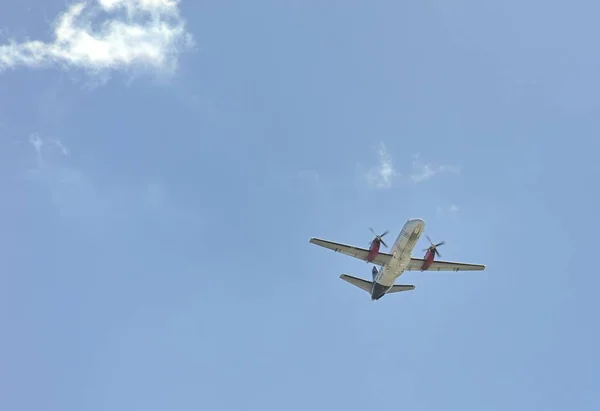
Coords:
453,208
422,171
77,196
104,35
53,144
381,176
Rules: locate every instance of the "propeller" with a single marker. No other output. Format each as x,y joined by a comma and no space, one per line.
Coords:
434,246
379,237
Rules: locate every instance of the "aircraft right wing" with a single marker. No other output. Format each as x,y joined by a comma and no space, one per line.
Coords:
360,253
416,264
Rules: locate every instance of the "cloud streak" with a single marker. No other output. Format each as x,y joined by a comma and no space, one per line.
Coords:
38,143
383,175
147,34
422,172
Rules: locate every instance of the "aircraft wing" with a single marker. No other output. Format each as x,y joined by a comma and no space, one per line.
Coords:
416,264
360,253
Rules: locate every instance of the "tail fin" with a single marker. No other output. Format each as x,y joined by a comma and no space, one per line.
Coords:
358,282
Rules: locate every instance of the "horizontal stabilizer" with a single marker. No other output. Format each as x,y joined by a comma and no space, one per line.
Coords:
400,287
368,285
358,282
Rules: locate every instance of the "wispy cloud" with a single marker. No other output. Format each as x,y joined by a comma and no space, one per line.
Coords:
77,196
423,171
38,144
453,208
147,34
382,175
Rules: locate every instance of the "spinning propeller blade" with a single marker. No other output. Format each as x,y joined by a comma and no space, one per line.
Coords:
379,237
434,246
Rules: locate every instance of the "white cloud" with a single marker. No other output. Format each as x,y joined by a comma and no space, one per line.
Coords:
422,172
130,34
64,151
38,144
382,175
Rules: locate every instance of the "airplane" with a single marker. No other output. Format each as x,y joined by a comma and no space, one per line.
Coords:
394,264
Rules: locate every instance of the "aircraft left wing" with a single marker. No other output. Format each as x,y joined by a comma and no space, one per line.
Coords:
416,264
356,252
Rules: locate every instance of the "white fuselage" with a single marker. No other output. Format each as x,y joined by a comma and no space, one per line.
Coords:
401,252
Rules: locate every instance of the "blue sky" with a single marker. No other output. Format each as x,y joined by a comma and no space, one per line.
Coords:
163,165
